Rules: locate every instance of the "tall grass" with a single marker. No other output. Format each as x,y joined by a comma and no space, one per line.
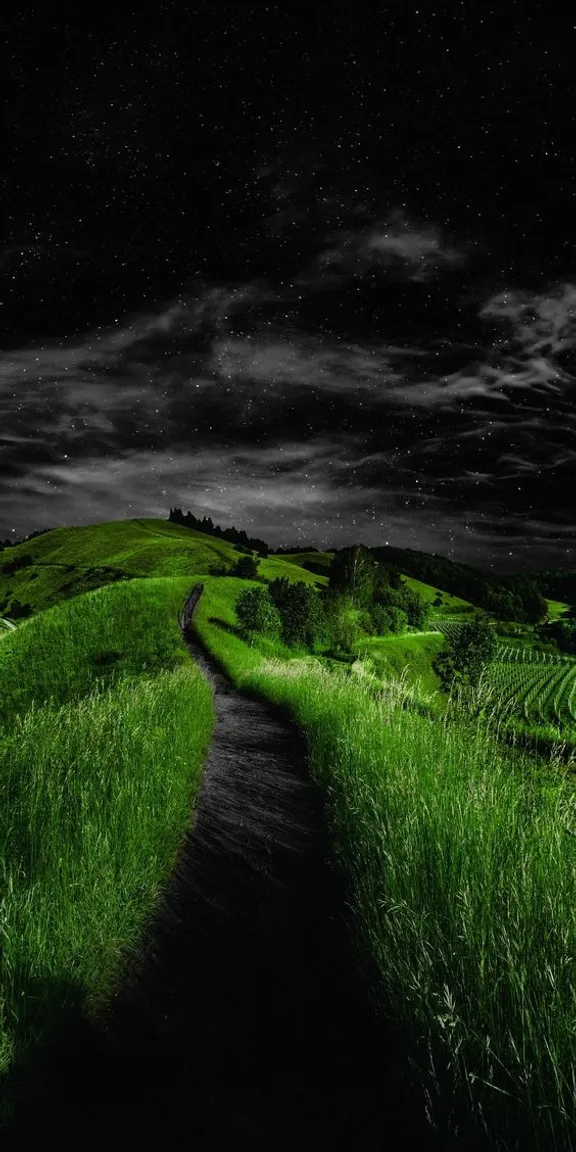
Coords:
97,784
461,893
119,630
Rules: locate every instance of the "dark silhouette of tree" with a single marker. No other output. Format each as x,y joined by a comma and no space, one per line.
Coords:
206,525
19,611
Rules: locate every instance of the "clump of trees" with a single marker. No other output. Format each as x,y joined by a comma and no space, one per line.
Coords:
246,568
206,525
257,614
285,610
519,597
562,633
16,565
18,611
362,597
386,602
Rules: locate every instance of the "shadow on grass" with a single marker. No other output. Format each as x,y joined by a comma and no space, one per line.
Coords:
226,627
55,1069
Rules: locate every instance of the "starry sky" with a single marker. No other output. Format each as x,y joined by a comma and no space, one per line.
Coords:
307,269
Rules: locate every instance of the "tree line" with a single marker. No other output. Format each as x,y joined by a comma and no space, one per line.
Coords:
517,597
363,597
206,524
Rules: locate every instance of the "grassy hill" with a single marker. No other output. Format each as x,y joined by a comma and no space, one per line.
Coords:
104,727
67,562
320,562
410,655
429,593
557,609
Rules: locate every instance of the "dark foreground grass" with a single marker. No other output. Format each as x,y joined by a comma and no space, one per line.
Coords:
105,727
461,890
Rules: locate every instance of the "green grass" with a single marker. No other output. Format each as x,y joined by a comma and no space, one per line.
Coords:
460,871
428,593
322,559
461,890
408,655
276,566
99,767
68,562
557,609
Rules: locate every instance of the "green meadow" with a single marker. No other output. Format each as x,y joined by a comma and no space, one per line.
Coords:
458,849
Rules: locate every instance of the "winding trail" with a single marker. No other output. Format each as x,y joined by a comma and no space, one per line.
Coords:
245,1021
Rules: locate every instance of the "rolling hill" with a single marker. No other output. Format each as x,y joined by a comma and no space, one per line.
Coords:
67,562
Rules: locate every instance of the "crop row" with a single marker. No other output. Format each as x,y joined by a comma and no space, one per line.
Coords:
536,693
525,654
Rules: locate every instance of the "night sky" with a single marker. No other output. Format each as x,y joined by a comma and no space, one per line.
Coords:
307,269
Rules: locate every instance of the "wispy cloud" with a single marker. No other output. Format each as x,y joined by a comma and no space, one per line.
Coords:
226,398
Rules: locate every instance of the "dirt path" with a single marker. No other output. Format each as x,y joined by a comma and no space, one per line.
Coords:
245,1020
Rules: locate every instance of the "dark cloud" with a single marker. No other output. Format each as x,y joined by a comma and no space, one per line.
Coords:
442,419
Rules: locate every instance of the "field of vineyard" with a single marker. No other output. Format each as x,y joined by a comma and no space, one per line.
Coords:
447,625
536,691
528,683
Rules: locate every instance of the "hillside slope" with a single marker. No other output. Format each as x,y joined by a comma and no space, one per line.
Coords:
67,562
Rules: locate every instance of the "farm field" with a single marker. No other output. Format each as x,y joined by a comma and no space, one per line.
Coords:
528,684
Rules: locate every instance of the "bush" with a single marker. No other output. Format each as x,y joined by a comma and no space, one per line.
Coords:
17,564
341,627
246,568
301,610
387,618
257,614
19,611
366,623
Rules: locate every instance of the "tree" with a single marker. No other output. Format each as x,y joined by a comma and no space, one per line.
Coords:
257,614
413,605
246,568
388,618
354,571
465,655
301,610
342,627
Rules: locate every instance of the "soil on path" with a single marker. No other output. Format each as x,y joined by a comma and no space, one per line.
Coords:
245,1021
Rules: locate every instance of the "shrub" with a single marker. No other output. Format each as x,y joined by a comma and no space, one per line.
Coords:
18,610
301,610
388,618
246,568
257,614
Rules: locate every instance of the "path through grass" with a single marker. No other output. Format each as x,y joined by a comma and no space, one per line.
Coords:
461,878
